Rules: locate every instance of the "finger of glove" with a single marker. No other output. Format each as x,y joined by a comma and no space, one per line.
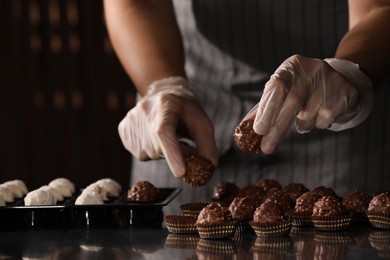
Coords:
128,133
269,106
201,132
294,101
170,147
165,119
307,117
280,128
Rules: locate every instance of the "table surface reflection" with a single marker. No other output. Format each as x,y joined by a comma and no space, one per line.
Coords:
158,243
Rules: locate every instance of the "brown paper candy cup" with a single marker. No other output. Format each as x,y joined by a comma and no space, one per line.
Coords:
301,220
217,231
334,223
378,220
272,230
181,224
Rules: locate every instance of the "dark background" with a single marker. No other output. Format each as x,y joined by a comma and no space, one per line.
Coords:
62,94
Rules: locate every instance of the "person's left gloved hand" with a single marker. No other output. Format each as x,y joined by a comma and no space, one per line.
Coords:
325,94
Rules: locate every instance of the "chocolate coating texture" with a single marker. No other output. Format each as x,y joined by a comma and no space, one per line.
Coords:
268,213
199,170
280,197
214,214
268,184
143,191
242,209
295,190
324,191
246,139
357,201
225,192
380,204
304,204
252,191
328,206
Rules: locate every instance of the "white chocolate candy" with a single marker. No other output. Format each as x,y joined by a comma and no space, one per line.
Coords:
94,187
2,201
64,186
17,187
53,191
88,197
111,187
6,194
39,197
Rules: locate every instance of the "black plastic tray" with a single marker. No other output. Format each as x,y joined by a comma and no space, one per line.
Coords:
115,213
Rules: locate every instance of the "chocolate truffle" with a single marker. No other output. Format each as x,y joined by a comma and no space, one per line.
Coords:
214,214
246,139
324,191
357,201
254,192
225,192
304,204
268,213
199,170
380,204
267,184
280,197
242,209
295,190
327,206
143,191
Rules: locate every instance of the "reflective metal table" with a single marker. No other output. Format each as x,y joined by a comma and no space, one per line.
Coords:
158,243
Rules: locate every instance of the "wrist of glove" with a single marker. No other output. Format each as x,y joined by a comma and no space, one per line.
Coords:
177,86
351,72
324,94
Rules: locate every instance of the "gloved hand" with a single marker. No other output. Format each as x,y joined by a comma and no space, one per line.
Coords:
149,130
325,94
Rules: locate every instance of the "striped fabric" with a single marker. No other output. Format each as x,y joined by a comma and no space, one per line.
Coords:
231,49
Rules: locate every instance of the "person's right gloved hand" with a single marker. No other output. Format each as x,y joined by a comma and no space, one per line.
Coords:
328,94
150,130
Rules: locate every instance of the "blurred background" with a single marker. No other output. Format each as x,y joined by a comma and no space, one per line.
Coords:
62,94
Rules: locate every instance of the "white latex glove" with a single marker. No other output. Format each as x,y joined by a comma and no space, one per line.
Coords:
149,130
325,94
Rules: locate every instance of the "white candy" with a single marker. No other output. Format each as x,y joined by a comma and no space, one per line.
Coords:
17,187
6,194
110,186
113,182
39,197
88,197
53,191
2,200
64,186
94,187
